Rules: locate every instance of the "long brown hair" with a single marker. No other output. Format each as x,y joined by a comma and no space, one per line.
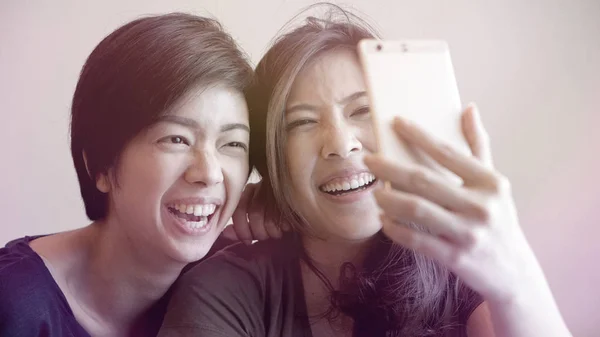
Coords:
399,292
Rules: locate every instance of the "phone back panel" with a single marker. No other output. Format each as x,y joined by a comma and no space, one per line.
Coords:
413,79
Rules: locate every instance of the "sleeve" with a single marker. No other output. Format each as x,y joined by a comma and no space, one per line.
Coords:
24,310
11,323
468,301
220,297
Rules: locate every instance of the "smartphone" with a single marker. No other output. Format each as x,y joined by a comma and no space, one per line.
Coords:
413,79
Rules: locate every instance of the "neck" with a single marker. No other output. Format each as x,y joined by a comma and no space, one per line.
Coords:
122,280
328,255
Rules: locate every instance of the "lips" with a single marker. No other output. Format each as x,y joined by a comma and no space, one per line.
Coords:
193,214
349,183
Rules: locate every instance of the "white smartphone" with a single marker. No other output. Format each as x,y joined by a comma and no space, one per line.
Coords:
413,79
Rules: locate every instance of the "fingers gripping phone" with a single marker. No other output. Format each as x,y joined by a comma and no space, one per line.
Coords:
413,79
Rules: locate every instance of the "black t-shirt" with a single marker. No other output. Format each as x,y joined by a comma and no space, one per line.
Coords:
256,291
32,304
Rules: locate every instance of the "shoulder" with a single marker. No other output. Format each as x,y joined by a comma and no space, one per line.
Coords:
240,261
28,292
467,300
20,268
465,303
226,294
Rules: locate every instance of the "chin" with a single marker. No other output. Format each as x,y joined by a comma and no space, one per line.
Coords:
359,230
367,221
365,233
190,254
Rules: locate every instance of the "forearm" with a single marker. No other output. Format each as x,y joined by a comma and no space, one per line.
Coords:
528,315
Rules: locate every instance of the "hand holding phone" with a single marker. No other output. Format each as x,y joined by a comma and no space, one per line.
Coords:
413,79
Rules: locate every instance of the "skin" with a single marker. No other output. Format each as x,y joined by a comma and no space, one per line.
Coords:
475,230
114,270
474,227
328,133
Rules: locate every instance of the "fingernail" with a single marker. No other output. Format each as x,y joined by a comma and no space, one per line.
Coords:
474,110
398,122
475,113
402,122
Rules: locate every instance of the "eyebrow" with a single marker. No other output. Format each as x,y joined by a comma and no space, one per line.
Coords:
343,101
353,97
234,126
192,124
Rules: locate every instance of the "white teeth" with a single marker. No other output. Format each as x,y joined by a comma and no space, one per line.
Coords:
197,210
353,182
197,224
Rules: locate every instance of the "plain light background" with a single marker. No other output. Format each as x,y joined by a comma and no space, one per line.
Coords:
532,66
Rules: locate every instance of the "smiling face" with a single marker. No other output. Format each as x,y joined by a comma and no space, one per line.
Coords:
178,182
328,131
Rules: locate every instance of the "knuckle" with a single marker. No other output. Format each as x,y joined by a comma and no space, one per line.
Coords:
455,259
414,208
255,218
446,151
469,237
472,237
501,184
482,213
242,232
420,180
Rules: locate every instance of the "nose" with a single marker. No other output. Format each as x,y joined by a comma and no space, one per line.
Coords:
205,169
340,141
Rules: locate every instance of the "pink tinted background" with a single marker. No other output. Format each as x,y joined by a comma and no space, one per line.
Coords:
532,66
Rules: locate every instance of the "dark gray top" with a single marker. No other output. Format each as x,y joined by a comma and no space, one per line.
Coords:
255,291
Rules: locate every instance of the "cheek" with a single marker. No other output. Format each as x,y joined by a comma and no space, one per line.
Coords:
235,171
366,136
301,158
150,175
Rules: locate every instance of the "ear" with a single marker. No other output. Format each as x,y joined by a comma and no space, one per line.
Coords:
102,183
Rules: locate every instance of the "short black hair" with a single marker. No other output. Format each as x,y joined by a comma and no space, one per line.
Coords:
134,76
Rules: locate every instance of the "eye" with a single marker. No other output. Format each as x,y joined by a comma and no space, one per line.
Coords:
299,122
239,145
175,140
362,111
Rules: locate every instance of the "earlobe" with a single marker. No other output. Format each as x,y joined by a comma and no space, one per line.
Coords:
102,183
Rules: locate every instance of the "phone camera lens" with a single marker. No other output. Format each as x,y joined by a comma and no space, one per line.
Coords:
379,47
